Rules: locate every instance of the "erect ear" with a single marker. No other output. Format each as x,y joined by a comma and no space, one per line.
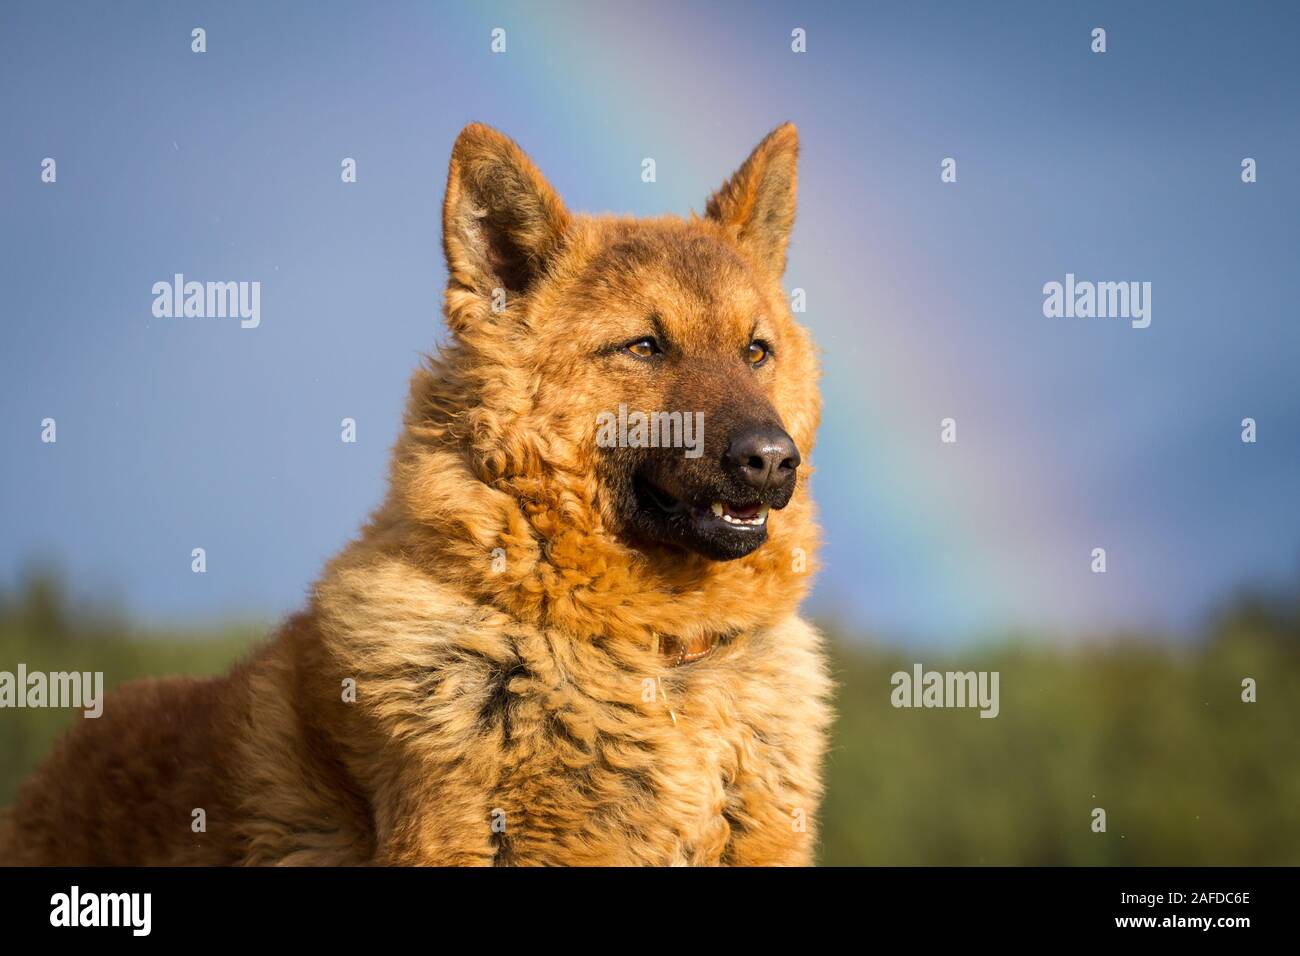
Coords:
758,201
501,220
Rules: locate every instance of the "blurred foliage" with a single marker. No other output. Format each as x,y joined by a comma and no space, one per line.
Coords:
1154,732
40,628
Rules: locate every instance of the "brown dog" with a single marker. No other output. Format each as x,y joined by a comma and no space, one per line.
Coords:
554,643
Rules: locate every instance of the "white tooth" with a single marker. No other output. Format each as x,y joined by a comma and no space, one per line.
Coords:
717,508
762,512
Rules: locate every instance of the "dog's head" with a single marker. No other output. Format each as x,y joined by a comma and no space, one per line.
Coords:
655,363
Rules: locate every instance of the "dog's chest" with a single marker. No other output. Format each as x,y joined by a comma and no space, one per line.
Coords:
602,764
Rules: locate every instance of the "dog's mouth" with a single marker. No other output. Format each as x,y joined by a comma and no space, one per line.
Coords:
732,513
716,526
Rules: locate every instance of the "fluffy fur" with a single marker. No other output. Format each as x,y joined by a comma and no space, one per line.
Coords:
500,629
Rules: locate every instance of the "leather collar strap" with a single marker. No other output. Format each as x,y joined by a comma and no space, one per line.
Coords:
675,651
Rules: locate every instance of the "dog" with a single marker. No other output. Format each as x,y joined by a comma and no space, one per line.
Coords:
558,641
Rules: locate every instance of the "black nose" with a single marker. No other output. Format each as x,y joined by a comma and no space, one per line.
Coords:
764,457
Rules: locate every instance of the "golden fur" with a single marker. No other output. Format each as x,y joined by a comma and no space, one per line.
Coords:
510,708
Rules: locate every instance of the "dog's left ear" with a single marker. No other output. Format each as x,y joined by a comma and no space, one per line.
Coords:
758,201
501,220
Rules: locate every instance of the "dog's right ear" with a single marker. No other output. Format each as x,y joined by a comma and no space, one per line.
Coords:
501,220
757,202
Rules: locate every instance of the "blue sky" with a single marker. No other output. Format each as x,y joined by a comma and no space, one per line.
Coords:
925,297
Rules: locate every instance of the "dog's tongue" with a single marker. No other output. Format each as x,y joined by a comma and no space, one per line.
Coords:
739,511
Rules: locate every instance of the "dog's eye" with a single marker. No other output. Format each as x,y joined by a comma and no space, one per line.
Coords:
644,348
759,352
